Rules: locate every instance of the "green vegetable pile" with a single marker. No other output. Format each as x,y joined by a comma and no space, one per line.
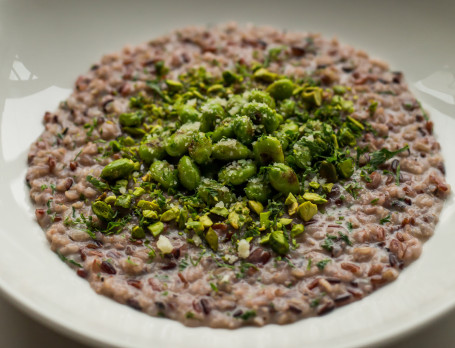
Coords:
251,151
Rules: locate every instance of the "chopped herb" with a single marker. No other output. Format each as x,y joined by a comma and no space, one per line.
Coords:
151,253
131,261
65,259
424,113
244,267
397,180
372,107
385,220
374,201
75,158
48,204
285,259
272,55
162,276
68,221
276,209
160,199
53,188
321,264
327,244
308,267
43,187
251,232
97,183
353,188
345,238
248,315
214,287
364,175
157,89
91,127
349,224
88,224
89,232
222,264
388,92
381,156
195,263
189,315
116,226
161,69
315,303
183,264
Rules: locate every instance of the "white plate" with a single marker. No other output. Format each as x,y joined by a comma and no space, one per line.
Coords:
44,46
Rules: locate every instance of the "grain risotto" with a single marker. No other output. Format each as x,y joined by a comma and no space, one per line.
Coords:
234,176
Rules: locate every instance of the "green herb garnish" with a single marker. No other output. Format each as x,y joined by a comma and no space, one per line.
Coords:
385,220
65,259
321,264
379,157
397,176
97,183
214,287
248,315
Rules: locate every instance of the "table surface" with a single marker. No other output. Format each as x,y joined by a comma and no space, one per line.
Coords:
20,331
